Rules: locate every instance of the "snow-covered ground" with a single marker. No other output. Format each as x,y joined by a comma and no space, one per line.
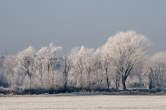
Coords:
83,103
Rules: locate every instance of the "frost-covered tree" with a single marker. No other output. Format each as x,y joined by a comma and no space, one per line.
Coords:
25,66
19,68
81,61
104,65
66,67
8,64
155,70
127,50
30,69
45,63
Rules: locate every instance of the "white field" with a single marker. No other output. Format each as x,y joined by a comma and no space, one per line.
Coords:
83,103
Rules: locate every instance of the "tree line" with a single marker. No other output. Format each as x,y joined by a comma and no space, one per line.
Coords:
124,59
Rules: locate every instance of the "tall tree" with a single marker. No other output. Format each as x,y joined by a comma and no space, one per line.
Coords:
127,50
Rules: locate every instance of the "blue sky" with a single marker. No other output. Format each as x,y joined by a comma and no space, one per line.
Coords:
70,23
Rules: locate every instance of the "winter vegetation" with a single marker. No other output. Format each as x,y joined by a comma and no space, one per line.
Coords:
123,63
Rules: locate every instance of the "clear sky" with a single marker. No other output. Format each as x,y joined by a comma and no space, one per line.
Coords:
70,23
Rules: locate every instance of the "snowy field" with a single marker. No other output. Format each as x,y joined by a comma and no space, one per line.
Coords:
83,103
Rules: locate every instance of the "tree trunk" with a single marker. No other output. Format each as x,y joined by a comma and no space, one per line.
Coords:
107,78
117,79
30,82
150,85
124,82
117,84
108,85
65,80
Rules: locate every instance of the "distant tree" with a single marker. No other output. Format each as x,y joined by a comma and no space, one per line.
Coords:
8,64
156,70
